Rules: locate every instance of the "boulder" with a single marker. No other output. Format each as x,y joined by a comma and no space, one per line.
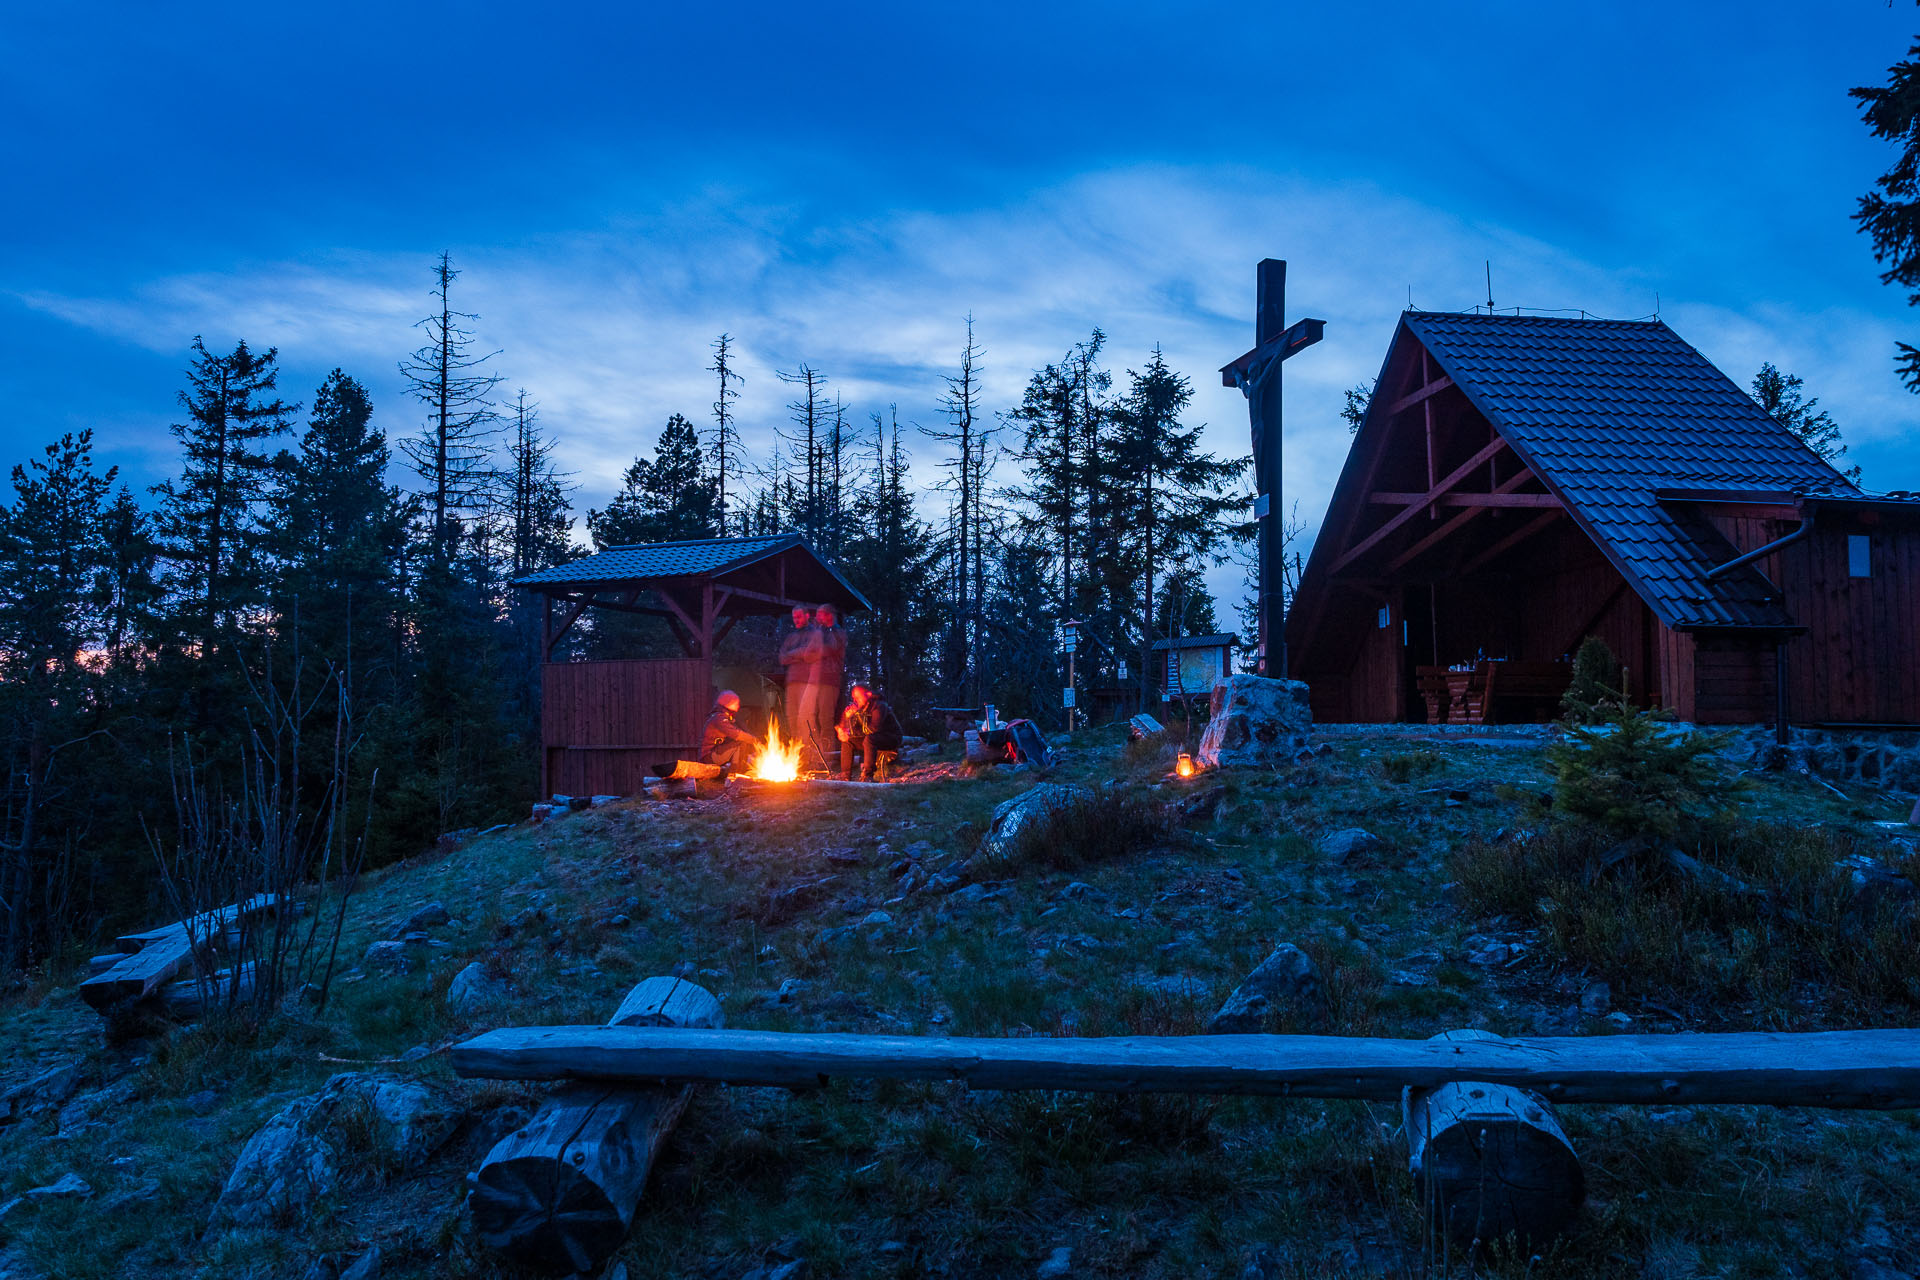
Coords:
473,987
387,957
303,1152
1349,843
1255,723
1011,817
427,917
1595,999
1287,978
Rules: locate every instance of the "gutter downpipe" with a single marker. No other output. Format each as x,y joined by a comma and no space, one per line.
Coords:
1781,726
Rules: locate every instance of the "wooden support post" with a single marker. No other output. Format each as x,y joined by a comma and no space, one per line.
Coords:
560,1194
1490,1160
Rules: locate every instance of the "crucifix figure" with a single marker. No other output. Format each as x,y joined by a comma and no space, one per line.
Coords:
1257,374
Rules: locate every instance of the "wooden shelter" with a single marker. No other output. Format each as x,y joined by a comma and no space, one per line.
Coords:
1522,482
603,723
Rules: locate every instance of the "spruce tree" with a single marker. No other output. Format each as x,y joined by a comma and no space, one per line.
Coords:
338,530
1890,214
669,499
1784,397
208,518
1171,493
452,452
724,443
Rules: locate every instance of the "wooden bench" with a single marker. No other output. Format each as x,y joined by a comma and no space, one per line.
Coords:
1504,684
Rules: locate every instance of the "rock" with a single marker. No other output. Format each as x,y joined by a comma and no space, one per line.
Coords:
876,919
1620,1020
1203,807
1254,723
971,893
67,1186
367,1267
684,968
1349,843
300,1154
942,883
1059,1263
430,916
203,1103
1011,817
1595,999
473,987
1179,986
387,957
1080,889
791,989
1285,978
42,1093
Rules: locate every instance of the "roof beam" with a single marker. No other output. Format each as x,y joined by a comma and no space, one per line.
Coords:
1413,398
1432,495
1512,540
1496,499
1413,552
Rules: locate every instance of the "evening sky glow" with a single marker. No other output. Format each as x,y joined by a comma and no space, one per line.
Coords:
621,183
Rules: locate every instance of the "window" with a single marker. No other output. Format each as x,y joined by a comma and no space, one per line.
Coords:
1386,618
1859,556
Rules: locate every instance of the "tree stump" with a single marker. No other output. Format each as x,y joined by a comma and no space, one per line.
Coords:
1490,1160
560,1193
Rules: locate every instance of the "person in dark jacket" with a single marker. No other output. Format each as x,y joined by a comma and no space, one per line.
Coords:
869,730
724,742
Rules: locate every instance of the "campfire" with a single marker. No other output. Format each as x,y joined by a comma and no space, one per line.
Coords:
777,762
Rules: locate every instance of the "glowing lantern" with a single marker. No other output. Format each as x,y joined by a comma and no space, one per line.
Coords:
777,763
1185,765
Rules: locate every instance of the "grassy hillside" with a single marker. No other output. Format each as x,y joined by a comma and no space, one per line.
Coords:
1472,908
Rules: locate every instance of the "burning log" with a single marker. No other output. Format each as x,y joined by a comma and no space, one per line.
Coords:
1491,1160
560,1193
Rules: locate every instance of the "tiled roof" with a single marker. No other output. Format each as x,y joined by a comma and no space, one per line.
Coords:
701,557
1606,412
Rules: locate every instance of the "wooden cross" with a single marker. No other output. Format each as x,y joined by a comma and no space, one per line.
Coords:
1257,374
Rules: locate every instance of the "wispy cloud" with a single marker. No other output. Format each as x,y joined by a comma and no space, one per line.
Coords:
609,328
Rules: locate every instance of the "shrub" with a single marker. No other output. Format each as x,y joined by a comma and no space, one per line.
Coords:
1099,823
1757,915
1405,766
1595,688
1633,774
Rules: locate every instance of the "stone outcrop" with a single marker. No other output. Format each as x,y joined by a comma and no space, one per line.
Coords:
1285,980
1011,817
1255,723
304,1151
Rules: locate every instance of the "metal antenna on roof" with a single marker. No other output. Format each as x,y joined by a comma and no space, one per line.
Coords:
1489,286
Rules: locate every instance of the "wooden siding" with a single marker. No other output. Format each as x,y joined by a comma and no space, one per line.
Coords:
1859,661
605,723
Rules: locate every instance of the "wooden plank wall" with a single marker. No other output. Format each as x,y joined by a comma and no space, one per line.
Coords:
1859,661
603,723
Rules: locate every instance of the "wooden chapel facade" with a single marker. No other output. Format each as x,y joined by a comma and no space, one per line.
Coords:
1521,482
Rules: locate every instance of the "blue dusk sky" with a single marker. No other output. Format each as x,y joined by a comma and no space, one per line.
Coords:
842,185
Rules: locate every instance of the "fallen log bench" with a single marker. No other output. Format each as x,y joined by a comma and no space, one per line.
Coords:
1850,1069
156,957
560,1192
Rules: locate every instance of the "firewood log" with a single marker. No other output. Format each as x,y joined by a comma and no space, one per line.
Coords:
560,1194
1490,1160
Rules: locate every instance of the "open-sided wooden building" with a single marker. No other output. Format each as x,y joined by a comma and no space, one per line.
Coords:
1522,482
604,723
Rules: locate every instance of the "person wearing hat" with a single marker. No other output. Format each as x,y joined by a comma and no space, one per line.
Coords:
869,730
723,742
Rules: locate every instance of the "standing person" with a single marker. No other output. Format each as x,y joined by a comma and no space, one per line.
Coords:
830,668
869,730
813,681
723,742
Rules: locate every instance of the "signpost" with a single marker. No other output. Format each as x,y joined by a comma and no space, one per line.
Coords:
1069,636
1257,374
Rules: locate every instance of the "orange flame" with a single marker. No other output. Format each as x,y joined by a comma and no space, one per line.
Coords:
777,763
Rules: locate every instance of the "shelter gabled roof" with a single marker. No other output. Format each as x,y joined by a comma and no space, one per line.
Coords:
1607,413
666,563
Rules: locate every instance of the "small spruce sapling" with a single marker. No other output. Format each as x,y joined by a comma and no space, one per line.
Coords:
1595,688
1634,774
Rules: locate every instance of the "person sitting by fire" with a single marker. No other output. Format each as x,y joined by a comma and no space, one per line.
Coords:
867,729
723,742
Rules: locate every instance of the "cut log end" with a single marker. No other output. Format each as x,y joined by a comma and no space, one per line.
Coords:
1488,1176
543,1213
